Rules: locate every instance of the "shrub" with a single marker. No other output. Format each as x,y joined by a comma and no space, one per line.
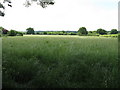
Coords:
114,31
82,31
101,31
12,33
19,34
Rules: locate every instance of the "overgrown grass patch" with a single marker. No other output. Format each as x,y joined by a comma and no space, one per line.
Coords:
63,61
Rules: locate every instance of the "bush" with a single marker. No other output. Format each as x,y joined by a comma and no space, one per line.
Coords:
45,33
30,30
82,31
114,31
4,31
72,33
101,31
12,33
19,34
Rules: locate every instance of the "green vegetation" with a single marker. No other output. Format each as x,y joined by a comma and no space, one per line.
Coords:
82,31
101,31
5,32
60,61
110,35
0,63
114,31
30,30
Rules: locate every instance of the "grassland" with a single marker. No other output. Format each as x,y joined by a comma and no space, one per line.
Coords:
60,61
0,63
110,35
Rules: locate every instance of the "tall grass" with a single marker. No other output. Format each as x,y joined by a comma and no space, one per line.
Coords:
0,63
64,62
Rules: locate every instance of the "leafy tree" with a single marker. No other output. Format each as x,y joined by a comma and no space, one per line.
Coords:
60,33
4,31
72,33
101,31
114,31
12,33
1,28
93,33
42,3
30,30
82,31
19,34
45,33
90,32
37,33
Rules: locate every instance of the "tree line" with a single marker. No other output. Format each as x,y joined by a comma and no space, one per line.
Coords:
82,31
6,32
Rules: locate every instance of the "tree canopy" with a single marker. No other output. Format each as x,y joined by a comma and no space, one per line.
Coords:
101,31
42,3
114,31
82,31
30,30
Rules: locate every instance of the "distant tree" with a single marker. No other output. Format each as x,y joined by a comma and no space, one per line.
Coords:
19,34
82,31
90,32
37,33
63,31
101,31
72,33
93,33
41,33
30,30
4,31
113,31
1,28
12,33
60,33
45,33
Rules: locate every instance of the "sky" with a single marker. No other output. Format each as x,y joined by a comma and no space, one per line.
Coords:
67,15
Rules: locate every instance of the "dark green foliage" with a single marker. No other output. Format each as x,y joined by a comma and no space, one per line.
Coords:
4,31
19,34
57,62
45,33
37,33
72,33
82,31
56,32
30,30
90,32
114,31
12,33
101,31
1,28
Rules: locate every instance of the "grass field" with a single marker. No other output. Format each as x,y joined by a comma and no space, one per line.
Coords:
0,63
111,35
60,61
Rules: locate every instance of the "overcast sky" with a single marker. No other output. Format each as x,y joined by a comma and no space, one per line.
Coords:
63,15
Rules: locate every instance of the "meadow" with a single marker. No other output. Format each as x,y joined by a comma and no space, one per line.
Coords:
50,61
0,63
